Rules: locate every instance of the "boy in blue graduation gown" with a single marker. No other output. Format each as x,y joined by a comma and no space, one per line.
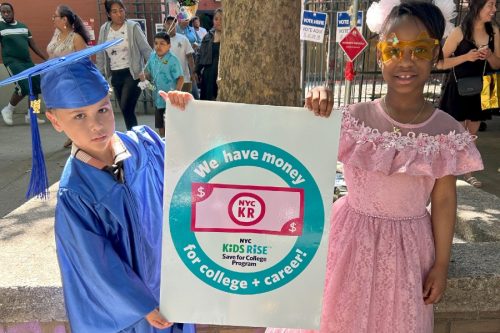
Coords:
109,208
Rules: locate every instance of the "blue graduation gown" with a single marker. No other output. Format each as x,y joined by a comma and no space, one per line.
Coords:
108,238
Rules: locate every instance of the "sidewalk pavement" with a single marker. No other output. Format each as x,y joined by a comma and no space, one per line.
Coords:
488,143
15,156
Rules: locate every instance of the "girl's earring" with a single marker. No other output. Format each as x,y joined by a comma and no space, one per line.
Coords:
65,27
379,63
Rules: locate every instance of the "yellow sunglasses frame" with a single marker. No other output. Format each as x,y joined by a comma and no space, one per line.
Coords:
423,40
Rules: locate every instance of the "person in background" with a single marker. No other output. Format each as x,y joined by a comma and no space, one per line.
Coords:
206,21
207,68
70,36
165,71
184,28
124,62
181,48
16,41
199,30
471,49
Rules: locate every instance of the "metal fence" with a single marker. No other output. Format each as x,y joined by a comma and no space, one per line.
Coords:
323,64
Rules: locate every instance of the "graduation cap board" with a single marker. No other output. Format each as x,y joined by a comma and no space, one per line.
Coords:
38,185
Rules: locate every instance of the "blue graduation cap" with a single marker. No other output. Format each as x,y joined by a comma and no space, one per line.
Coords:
71,81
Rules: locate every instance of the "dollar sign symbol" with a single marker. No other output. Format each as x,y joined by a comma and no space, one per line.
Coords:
201,192
292,227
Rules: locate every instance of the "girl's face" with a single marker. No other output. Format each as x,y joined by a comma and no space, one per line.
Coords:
161,47
218,22
117,14
487,13
413,54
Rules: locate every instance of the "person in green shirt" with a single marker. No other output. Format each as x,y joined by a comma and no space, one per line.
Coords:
16,40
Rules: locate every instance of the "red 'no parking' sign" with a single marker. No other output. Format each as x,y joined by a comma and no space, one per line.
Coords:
353,44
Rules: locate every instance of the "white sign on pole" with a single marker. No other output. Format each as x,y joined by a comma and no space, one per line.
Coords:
248,190
142,23
159,27
344,24
312,26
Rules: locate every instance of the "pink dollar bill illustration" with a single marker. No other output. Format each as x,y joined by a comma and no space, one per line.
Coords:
247,208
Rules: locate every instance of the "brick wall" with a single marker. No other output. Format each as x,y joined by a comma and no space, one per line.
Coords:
481,322
227,329
35,327
209,5
37,15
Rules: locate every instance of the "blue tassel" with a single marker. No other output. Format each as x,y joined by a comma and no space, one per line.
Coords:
39,182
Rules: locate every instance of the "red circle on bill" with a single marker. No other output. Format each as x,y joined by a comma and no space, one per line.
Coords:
246,209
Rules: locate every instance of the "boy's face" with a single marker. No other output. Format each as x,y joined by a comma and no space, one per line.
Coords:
170,27
90,128
161,47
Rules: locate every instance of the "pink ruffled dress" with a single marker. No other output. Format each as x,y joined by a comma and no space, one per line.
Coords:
381,245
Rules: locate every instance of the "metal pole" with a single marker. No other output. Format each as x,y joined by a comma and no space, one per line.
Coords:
328,47
354,22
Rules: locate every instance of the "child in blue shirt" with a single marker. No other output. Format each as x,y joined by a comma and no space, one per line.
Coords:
165,70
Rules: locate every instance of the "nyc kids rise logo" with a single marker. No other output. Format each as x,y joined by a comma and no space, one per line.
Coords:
246,238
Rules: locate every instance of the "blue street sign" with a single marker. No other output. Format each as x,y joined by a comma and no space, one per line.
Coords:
314,19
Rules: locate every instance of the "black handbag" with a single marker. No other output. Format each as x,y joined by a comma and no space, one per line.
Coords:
472,85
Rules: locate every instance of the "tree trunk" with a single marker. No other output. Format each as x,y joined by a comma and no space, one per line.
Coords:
260,52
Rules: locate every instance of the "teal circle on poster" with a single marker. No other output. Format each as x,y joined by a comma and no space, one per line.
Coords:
224,279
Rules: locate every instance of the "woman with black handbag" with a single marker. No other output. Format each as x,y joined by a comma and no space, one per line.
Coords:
471,50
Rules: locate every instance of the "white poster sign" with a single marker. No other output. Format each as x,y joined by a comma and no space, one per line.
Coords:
312,26
248,190
344,24
159,27
142,23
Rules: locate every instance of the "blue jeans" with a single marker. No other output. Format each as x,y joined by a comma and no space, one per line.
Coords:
194,90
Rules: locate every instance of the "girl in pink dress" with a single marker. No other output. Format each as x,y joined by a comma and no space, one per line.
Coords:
388,255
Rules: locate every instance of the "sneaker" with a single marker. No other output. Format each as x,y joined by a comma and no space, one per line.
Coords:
7,116
38,120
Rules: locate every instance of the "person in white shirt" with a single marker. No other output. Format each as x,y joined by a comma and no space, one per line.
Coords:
200,31
182,49
124,62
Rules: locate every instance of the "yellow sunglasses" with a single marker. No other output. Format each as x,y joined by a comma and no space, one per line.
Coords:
421,48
